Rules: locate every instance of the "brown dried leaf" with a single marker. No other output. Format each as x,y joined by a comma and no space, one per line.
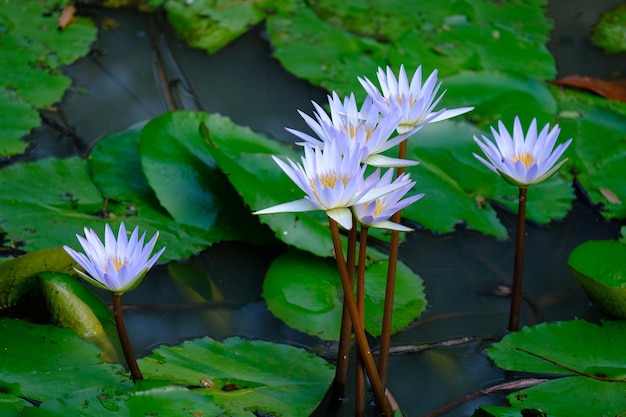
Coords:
610,196
66,17
613,90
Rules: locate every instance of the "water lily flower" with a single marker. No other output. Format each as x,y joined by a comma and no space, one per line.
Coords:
366,128
417,101
523,159
332,180
377,212
120,264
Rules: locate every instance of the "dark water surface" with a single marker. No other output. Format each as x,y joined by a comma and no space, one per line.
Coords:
118,85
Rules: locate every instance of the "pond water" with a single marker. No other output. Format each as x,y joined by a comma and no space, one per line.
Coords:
464,272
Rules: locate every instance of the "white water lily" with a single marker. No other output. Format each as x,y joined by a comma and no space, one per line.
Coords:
377,212
332,180
416,101
523,159
365,128
119,264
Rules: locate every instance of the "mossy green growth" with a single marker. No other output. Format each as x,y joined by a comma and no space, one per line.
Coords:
610,31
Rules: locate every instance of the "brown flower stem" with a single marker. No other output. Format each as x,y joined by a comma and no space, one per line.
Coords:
518,270
359,331
135,373
359,396
345,335
385,336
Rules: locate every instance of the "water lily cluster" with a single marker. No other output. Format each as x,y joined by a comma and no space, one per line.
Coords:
346,171
333,171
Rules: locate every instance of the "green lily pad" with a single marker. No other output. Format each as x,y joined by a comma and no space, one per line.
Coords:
592,374
598,152
243,376
186,181
331,42
32,50
305,292
334,57
599,267
147,398
245,157
37,357
17,119
609,33
212,24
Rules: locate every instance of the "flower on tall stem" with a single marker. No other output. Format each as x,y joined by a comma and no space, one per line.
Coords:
366,128
332,181
118,266
522,160
376,213
416,100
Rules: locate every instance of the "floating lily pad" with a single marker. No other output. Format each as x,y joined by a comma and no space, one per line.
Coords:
599,267
38,357
32,50
243,375
147,398
212,24
609,33
592,375
180,169
305,292
598,152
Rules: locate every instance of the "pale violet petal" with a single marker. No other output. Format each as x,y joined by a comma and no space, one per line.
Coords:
448,114
343,216
290,207
378,160
386,224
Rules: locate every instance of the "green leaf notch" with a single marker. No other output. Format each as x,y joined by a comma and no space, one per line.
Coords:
305,292
32,50
590,376
243,376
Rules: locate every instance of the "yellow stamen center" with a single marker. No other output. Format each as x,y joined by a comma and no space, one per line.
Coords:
352,129
118,263
526,158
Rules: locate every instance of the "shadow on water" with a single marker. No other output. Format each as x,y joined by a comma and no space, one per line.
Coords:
466,274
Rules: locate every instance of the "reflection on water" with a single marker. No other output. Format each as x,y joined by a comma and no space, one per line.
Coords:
465,273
